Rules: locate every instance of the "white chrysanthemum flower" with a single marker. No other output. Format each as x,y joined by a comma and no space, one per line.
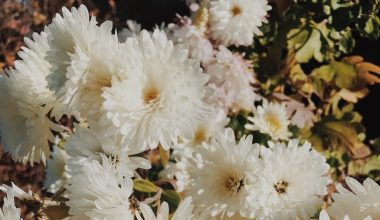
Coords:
231,77
35,66
291,183
9,210
86,142
74,29
200,48
72,39
96,192
162,99
363,202
270,118
16,192
56,174
89,75
235,22
185,154
219,183
24,125
183,212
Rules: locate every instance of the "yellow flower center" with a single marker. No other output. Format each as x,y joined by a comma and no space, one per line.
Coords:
233,185
273,122
199,136
235,10
281,186
150,94
151,97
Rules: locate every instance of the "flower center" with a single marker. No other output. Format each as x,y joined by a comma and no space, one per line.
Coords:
281,186
150,94
133,205
151,97
105,83
273,122
235,10
199,136
233,185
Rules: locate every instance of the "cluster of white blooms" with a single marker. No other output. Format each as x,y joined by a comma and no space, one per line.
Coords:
214,25
141,93
279,182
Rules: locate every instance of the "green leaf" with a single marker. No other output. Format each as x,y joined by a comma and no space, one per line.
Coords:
375,146
311,41
337,135
342,74
326,73
306,43
364,167
373,163
172,198
369,27
143,185
346,74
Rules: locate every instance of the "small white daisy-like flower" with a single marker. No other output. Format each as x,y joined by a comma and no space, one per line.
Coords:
96,192
163,99
363,201
219,183
200,48
91,143
183,212
231,77
235,22
270,118
291,183
24,125
56,175
9,210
